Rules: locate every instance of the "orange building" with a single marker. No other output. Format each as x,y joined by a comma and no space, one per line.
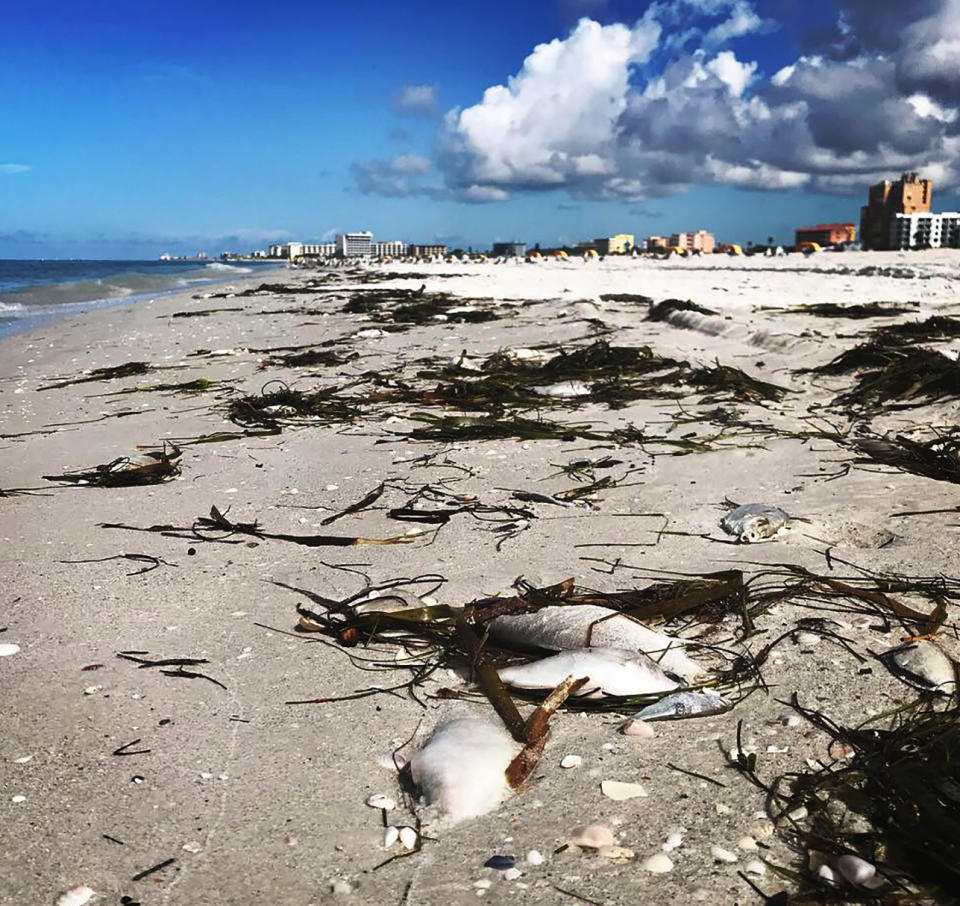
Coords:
908,195
701,241
827,233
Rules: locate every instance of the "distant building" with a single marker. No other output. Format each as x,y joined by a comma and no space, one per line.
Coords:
392,249
428,251
655,242
260,253
924,231
827,233
620,244
166,256
908,195
701,241
318,250
509,249
354,245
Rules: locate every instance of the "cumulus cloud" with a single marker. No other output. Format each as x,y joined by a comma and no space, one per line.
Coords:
627,112
416,100
10,169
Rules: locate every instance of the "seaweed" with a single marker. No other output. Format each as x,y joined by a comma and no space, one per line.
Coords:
198,385
128,369
661,311
735,383
937,458
934,328
201,313
287,406
626,297
912,377
310,358
122,473
409,306
854,311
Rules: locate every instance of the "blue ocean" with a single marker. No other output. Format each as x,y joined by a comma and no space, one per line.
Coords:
35,291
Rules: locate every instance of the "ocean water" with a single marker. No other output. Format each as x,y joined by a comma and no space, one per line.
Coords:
35,291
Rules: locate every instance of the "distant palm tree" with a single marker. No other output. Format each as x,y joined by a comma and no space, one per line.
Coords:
769,240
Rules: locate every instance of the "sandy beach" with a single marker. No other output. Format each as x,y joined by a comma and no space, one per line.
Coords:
109,768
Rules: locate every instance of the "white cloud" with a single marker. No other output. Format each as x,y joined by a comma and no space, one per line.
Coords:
416,100
10,169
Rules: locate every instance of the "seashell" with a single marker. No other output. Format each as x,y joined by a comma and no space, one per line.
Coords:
748,844
855,870
620,791
562,627
408,837
460,769
534,857
755,867
672,842
6,650
563,390
722,855
192,847
340,887
592,836
636,727
511,874
684,704
754,522
611,671
571,761
658,863
378,800
826,873
616,853
390,836
75,896
500,863
922,663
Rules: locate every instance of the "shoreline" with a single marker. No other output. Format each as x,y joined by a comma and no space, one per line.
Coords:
255,798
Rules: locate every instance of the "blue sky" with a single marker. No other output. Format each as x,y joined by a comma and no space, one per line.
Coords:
127,130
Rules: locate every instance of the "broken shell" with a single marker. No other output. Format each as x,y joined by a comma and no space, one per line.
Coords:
748,844
571,761
658,863
511,874
534,857
616,853
592,836
92,690
7,649
620,791
637,727
672,842
192,847
408,837
75,896
722,855
379,801
755,867
390,836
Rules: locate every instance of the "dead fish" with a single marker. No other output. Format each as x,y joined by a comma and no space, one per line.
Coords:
562,627
684,704
924,664
461,769
563,390
753,522
611,671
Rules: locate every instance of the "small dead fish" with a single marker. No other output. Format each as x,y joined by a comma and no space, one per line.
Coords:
684,704
563,390
611,671
753,522
924,664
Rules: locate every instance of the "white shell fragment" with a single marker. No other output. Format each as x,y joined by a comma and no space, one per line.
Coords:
722,855
592,836
461,768
408,837
754,522
571,761
610,671
856,871
683,704
639,728
75,896
923,663
620,791
755,867
390,836
562,627
534,857
658,863
8,648
378,800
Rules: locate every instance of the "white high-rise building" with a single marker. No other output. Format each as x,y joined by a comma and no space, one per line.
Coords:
392,249
355,245
925,230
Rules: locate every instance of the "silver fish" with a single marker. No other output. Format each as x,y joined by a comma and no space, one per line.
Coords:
684,704
923,664
753,522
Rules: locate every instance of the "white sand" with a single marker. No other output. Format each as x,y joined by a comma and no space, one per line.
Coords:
240,788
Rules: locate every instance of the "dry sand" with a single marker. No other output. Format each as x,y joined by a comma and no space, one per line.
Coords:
273,794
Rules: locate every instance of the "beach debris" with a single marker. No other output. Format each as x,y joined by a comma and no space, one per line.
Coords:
937,457
201,312
673,841
923,664
179,663
378,800
340,887
661,311
684,704
570,626
637,727
122,472
274,408
853,310
192,847
408,837
500,863
365,503
75,896
571,761
720,854
658,864
753,522
8,649
128,369
592,836
563,390
609,671
620,791
390,836
198,385
754,867
535,857
461,770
